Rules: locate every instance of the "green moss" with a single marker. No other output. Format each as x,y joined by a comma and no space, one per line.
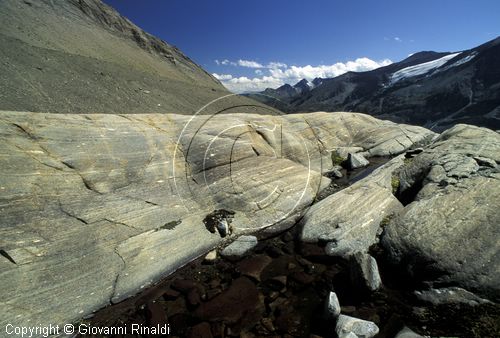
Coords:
385,221
336,159
395,184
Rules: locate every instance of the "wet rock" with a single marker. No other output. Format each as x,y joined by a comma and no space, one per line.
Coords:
355,161
291,322
183,285
241,302
364,272
451,295
253,266
267,323
350,327
155,314
332,306
201,330
193,297
408,333
170,294
302,278
278,282
239,248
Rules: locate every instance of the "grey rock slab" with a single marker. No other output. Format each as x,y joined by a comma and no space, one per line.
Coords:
451,295
240,247
449,229
97,207
355,161
350,219
364,272
353,327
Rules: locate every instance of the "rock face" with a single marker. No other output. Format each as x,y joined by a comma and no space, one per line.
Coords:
333,220
97,207
448,235
81,56
356,161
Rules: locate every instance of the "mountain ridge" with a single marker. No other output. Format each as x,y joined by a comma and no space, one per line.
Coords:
82,56
435,93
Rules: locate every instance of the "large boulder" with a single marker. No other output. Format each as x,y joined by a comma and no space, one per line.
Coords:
97,207
449,232
350,219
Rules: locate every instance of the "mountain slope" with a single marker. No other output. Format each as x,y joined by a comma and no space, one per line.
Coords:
428,88
82,56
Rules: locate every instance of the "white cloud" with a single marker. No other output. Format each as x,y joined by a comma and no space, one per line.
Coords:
222,77
258,72
244,84
398,39
274,65
280,74
249,64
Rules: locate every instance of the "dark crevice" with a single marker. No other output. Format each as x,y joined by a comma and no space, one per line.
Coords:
6,255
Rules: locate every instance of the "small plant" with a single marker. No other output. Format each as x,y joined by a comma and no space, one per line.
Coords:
395,183
386,220
408,160
337,159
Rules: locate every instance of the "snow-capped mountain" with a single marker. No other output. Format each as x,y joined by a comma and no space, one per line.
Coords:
427,88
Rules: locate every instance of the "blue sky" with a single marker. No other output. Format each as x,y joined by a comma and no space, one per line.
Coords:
251,45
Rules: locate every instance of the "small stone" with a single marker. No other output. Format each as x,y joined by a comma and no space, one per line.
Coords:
332,306
350,327
279,282
170,294
302,278
156,314
194,297
355,161
210,257
240,247
202,330
183,285
267,323
407,333
364,272
253,266
223,227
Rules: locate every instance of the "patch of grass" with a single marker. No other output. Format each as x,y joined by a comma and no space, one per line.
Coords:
395,183
385,221
407,160
336,159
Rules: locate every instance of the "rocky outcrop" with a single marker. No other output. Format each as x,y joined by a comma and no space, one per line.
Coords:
97,207
349,220
448,234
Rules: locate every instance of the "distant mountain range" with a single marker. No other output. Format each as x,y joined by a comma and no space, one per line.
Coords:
431,89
